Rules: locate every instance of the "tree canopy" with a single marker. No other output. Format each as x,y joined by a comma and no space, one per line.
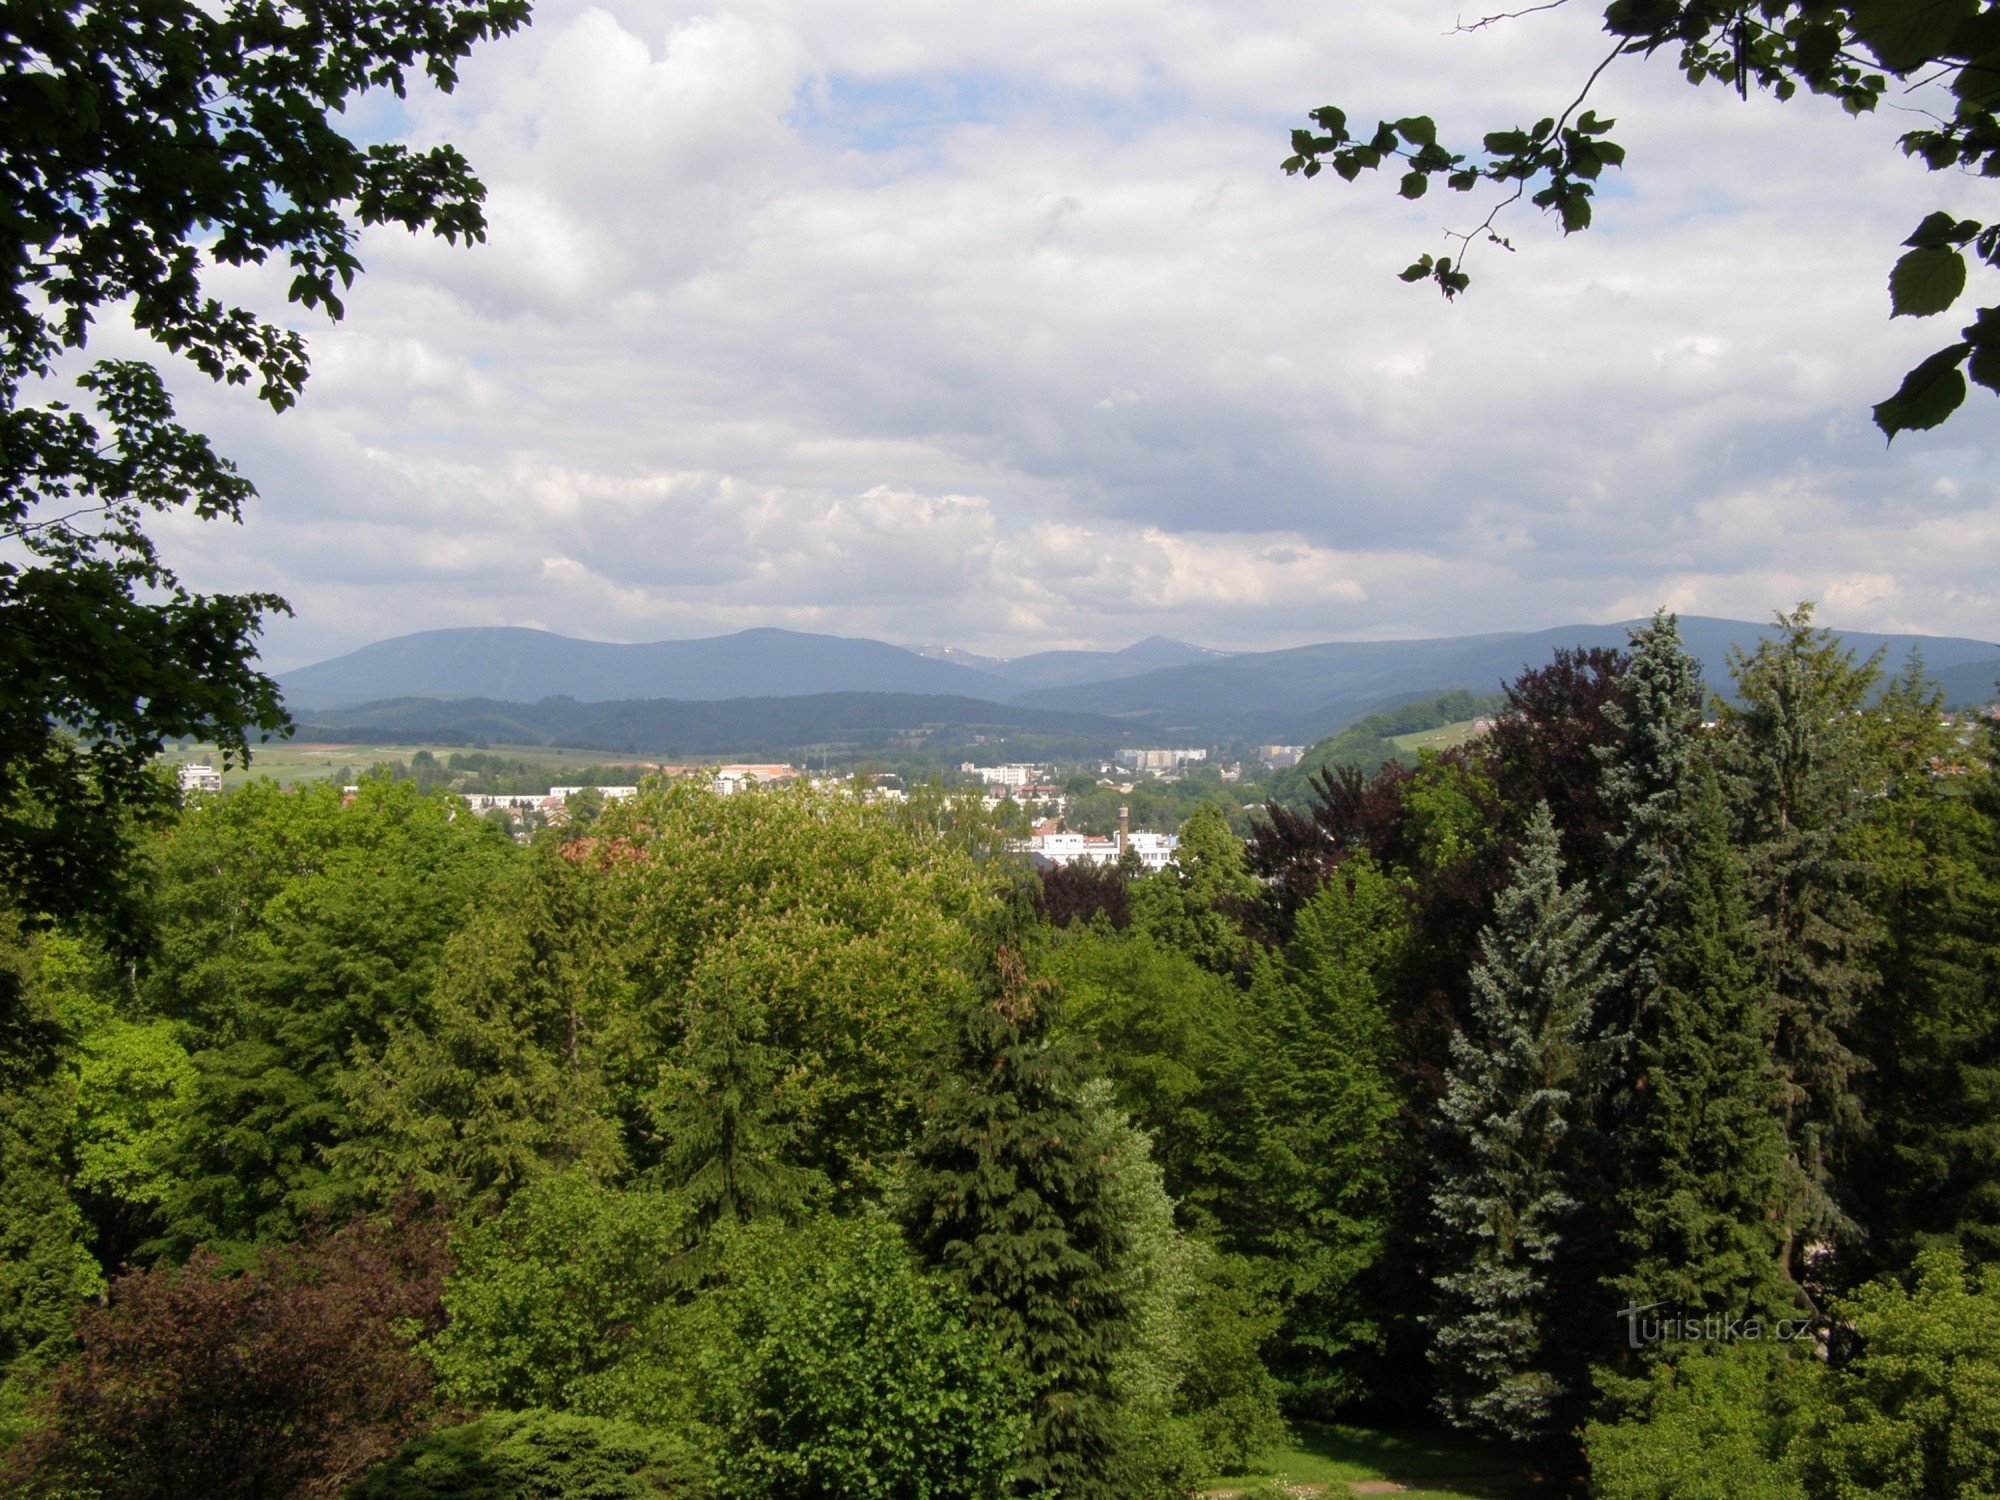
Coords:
1852,51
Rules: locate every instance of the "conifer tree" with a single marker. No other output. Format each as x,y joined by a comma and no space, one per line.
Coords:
1928,1171
1504,1205
721,1147
1701,1200
1315,1190
1687,1142
1794,773
1011,1192
1647,778
501,1080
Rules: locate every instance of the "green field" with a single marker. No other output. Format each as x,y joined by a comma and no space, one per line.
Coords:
1445,738
1333,1460
294,761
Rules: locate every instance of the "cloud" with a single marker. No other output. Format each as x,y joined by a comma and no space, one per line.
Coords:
998,325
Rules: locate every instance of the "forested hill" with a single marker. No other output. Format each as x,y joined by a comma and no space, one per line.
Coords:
854,723
1309,691
1157,686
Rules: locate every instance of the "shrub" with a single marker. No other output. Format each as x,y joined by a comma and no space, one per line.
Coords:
539,1455
833,1365
289,1378
1720,1423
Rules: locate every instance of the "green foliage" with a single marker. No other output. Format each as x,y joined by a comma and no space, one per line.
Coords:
1197,903
1314,1195
1929,1169
1916,1415
1504,1202
1010,1192
1689,1138
1704,1185
46,1269
827,938
1792,760
830,1364
539,1455
1174,1040
499,1079
294,930
1721,1423
1779,46
553,1296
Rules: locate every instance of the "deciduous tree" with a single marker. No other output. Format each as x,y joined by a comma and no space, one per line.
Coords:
142,147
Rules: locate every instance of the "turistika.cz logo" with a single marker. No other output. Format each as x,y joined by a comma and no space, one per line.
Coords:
1645,1325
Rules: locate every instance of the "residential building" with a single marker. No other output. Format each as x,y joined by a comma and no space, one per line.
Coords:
200,778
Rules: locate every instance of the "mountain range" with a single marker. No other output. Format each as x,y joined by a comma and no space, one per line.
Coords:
1157,688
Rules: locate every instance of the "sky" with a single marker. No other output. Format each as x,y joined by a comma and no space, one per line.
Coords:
998,326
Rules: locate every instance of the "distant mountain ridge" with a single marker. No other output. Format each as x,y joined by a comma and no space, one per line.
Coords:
510,664
1155,688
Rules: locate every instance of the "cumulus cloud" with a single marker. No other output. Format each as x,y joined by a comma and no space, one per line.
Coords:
997,325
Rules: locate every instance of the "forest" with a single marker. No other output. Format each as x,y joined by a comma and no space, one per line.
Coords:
1621,1088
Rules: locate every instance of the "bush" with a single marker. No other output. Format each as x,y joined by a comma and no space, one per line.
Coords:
539,1455
833,1365
1720,1423
1916,1415
289,1379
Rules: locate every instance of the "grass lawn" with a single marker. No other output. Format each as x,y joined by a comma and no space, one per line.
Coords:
1421,1464
294,761
1444,738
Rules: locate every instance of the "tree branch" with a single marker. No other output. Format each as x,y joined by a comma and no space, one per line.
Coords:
1460,28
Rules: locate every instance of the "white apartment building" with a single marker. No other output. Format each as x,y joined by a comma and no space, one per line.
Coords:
1011,776
1160,759
1154,850
200,778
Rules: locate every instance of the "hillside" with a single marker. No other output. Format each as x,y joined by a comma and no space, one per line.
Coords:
839,724
1158,688
1309,691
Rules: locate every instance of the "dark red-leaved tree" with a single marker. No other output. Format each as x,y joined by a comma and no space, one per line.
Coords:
1075,895
1546,747
283,1381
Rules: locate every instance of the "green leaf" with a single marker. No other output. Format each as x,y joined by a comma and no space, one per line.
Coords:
1984,366
1906,35
1925,282
1639,17
1938,230
1413,185
1417,271
1418,130
1929,393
